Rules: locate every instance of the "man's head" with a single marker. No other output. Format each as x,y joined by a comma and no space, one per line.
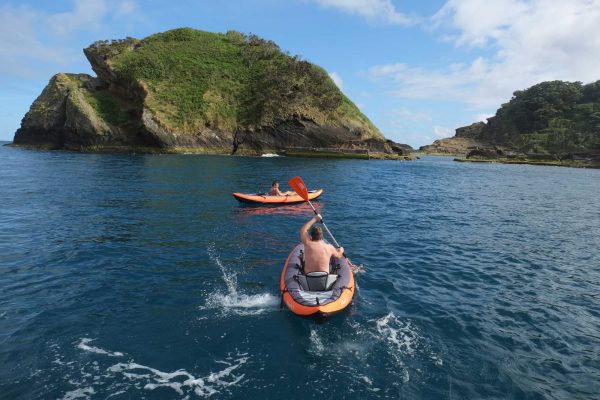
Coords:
275,184
316,233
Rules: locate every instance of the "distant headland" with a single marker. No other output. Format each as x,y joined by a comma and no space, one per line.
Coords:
551,123
187,90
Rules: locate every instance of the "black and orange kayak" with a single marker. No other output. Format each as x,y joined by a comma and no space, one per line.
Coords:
263,198
317,295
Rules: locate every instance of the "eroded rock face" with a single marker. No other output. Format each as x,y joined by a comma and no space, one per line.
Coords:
455,145
63,116
473,131
486,152
68,115
44,123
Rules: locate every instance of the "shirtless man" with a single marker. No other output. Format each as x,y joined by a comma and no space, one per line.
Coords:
275,190
316,252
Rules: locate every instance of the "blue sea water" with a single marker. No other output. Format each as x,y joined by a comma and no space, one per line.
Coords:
139,276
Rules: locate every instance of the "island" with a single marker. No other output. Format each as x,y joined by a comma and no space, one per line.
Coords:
551,123
191,91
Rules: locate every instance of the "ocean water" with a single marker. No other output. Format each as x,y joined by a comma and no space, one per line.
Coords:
139,276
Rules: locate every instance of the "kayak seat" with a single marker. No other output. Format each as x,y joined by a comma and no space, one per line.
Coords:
300,265
334,265
319,281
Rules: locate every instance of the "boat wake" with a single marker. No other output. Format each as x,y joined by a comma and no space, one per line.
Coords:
83,345
234,301
380,354
132,378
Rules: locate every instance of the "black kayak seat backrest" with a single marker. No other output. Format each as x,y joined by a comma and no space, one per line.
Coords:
319,281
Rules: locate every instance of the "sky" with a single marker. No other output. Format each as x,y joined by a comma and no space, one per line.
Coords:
417,69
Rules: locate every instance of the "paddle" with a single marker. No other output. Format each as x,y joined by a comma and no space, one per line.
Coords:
299,187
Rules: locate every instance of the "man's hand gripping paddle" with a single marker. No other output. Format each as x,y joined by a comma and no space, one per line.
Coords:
299,187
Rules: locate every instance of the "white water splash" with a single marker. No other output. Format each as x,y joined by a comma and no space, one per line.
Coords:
270,155
242,304
316,344
182,381
82,393
83,345
233,301
112,380
401,335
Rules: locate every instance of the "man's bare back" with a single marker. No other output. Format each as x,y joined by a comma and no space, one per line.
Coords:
317,253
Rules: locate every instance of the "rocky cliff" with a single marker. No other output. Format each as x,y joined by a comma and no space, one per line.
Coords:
194,91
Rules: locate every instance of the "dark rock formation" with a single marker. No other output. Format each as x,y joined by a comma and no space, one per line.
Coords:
455,145
68,115
473,131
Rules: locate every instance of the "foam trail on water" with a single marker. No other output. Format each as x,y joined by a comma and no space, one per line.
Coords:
316,344
83,345
401,335
182,381
125,376
82,393
233,301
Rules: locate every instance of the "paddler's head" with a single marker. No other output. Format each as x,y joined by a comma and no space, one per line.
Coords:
275,185
316,233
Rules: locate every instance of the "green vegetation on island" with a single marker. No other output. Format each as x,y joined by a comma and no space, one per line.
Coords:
551,123
228,81
554,118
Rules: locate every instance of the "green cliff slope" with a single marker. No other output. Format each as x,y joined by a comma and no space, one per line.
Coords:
229,81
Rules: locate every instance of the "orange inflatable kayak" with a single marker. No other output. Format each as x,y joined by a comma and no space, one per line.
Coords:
263,198
317,295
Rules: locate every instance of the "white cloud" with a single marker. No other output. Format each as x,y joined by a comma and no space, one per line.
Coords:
482,117
475,24
337,79
457,82
126,8
441,132
33,42
20,46
412,116
375,11
530,41
86,14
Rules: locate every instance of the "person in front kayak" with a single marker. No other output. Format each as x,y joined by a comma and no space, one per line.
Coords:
275,190
317,253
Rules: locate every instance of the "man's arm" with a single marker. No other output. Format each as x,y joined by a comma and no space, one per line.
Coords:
337,253
304,237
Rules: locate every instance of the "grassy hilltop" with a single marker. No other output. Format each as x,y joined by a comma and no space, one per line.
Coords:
228,81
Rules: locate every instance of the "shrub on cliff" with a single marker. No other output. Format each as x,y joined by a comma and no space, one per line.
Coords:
551,117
